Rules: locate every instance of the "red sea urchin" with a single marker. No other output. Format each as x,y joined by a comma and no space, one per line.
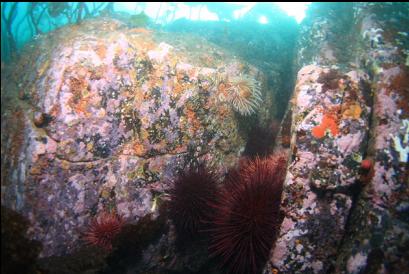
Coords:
248,215
193,191
103,230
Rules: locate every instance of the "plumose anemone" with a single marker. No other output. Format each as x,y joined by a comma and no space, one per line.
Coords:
244,94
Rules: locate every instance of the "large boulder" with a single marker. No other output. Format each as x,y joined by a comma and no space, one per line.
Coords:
330,123
101,117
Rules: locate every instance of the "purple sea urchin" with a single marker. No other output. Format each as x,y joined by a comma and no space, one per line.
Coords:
248,217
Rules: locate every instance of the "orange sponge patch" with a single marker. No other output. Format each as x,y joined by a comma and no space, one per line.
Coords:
329,122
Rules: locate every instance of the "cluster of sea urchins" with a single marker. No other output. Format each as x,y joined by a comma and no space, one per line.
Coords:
193,191
242,216
247,215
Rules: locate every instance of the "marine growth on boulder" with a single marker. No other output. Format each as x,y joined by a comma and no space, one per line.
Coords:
100,114
152,149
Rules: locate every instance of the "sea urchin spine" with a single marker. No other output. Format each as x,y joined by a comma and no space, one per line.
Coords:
248,215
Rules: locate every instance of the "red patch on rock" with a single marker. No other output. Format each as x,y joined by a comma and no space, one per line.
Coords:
366,164
367,171
329,122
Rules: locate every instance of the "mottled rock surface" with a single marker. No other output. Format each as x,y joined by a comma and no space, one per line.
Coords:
377,237
330,123
100,116
350,104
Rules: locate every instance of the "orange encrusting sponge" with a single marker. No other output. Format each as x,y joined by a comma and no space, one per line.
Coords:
328,122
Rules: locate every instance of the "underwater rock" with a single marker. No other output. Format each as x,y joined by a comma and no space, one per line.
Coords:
327,147
350,103
129,107
378,232
101,116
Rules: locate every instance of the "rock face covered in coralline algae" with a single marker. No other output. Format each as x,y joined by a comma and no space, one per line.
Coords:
100,117
346,198
103,116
